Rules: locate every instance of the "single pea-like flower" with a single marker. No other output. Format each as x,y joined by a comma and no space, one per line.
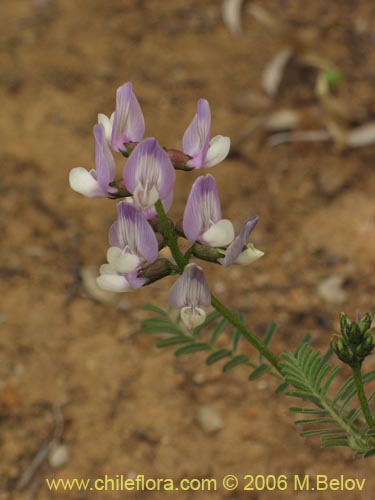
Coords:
127,123
133,243
149,175
238,252
95,183
196,143
202,216
190,294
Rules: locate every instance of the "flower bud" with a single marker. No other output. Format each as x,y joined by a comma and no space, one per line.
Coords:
156,271
206,252
365,322
344,324
179,159
354,334
369,340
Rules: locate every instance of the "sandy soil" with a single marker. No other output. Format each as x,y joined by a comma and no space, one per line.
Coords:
128,408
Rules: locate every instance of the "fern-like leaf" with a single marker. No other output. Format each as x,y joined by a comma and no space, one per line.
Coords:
311,378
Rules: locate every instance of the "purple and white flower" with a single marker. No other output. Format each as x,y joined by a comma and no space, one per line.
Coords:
238,252
196,143
95,183
127,123
190,294
133,242
202,220
149,175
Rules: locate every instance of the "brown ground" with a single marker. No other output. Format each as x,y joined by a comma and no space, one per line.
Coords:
127,407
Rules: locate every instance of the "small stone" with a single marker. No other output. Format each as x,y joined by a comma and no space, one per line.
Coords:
330,289
199,378
209,420
59,456
335,177
220,287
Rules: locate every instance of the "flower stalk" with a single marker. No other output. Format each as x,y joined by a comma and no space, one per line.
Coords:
250,336
170,236
357,375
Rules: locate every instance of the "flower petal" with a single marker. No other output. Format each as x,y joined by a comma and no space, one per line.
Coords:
250,255
113,283
107,124
132,230
105,163
190,289
85,183
239,243
217,151
219,234
196,138
149,167
128,123
192,316
202,208
122,262
134,281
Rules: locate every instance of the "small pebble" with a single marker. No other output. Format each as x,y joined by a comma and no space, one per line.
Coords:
59,456
331,289
209,420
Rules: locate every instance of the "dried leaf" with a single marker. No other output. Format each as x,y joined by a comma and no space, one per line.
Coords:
231,14
312,58
299,136
282,119
274,24
273,72
361,136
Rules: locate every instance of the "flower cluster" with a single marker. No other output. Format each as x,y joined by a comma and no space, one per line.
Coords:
142,228
357,339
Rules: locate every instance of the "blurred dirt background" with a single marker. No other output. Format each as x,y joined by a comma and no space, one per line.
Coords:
82,370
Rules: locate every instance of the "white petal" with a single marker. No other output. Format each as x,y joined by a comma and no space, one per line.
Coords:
107,124
145,198
251,254
219,234
192,316
122,262
113,283
217,151
83,182
107,269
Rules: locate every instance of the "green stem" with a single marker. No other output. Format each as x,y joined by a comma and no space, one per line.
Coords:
170,236
250,336
362,396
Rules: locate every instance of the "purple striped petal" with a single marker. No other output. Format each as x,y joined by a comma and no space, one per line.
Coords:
149,174
239,243
195,142
202,208
105,163
132,231
128,122
191,289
